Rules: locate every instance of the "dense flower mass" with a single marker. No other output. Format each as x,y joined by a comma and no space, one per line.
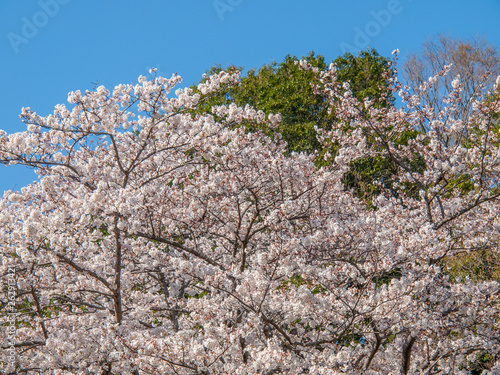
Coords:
160,241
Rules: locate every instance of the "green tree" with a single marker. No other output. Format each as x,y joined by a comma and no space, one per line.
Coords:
365,73
286,89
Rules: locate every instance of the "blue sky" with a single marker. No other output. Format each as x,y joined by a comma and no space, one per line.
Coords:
51,47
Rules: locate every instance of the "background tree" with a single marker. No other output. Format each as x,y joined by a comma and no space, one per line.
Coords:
286,89
475,60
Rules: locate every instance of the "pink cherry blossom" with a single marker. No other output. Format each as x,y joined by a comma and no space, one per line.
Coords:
158,241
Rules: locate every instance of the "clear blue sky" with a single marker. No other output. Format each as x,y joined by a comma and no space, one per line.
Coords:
51,47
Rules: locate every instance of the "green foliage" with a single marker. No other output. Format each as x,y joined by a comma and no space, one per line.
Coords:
351,340
286,89
389,340
484,361
365,73
53,310
318,289
26,307
157,322
197,295
386,277
138,288
480,265
297,281
364,172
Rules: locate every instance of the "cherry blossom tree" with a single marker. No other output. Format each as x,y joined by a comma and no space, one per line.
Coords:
161,242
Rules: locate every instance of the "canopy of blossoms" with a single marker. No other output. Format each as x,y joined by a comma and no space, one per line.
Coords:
160,241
